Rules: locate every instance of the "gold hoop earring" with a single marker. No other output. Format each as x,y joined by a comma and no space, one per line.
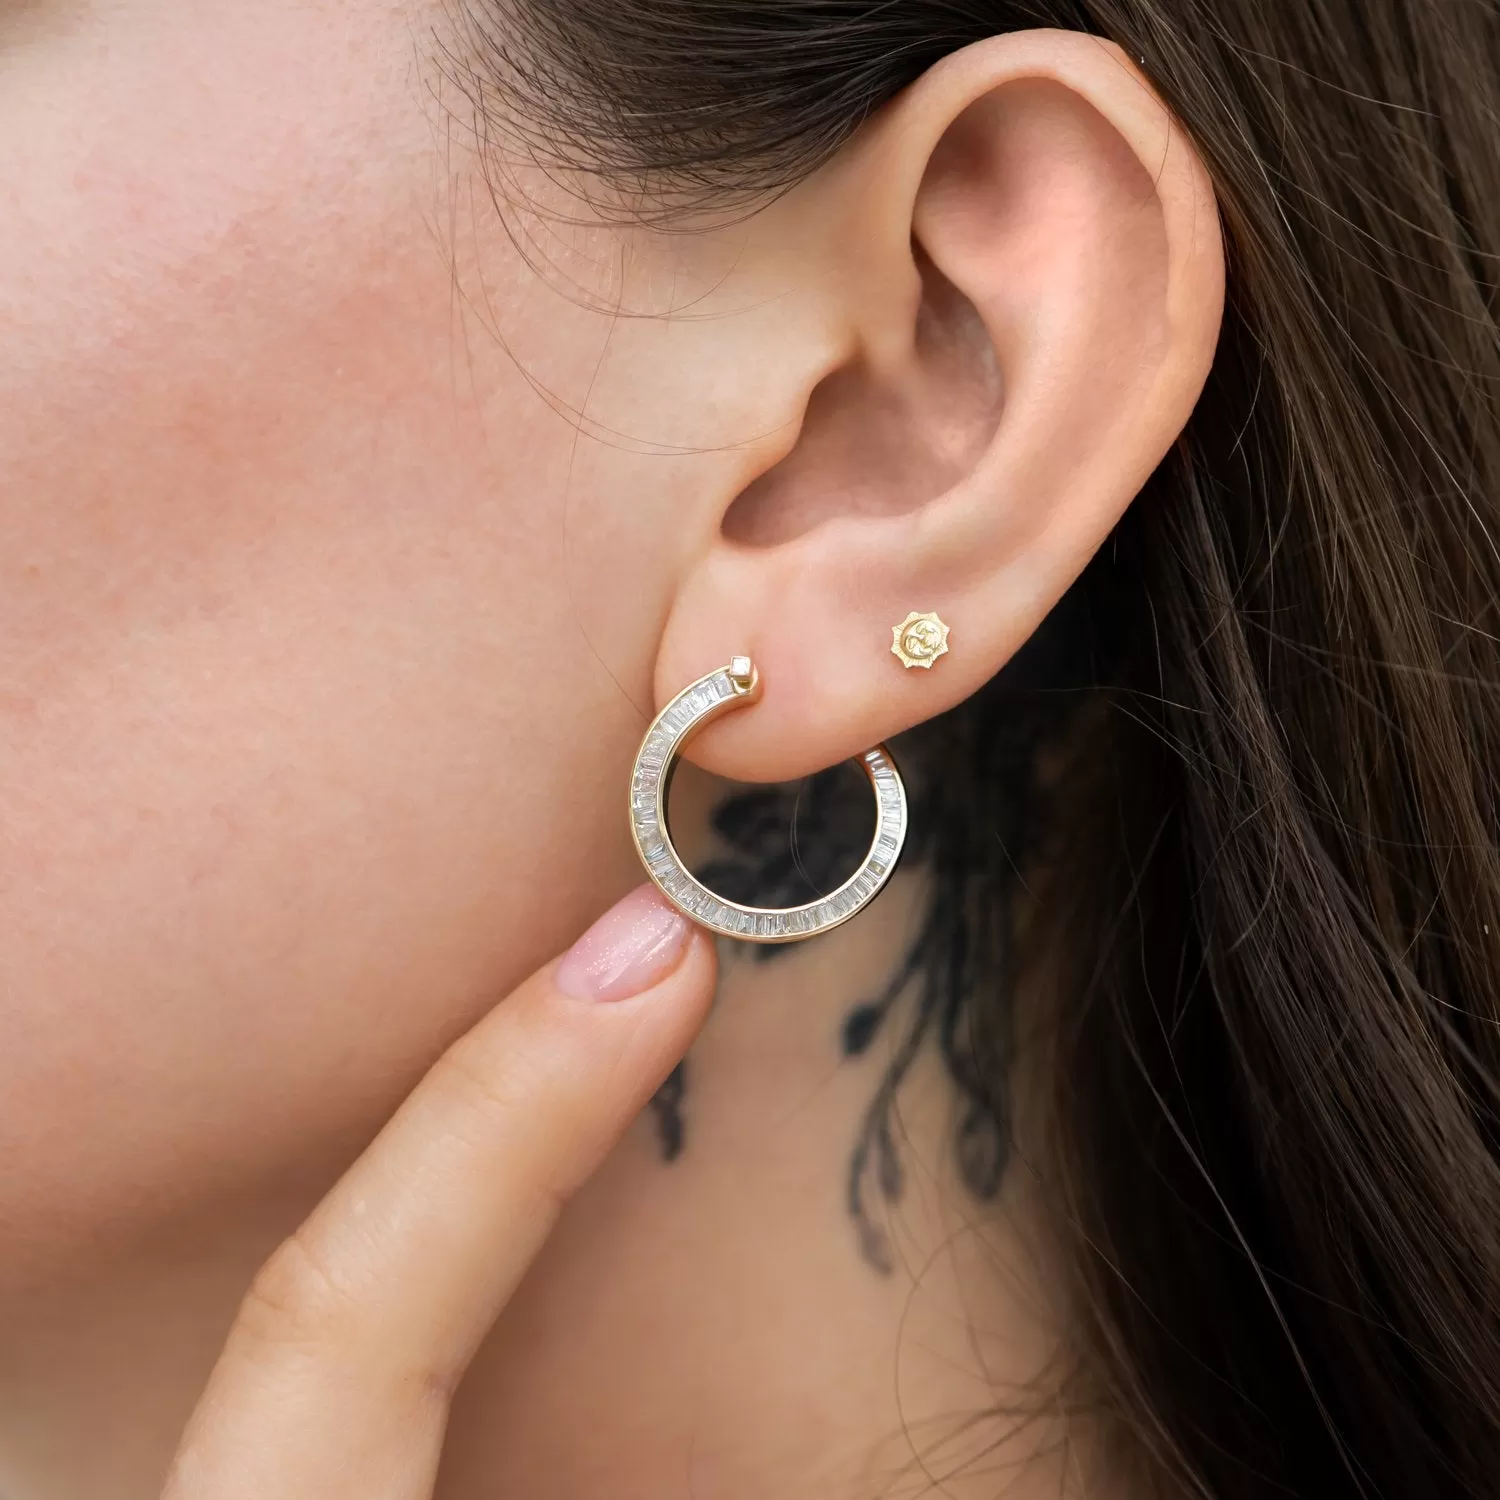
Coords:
731,687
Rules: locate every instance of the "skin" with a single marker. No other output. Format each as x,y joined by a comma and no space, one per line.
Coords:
355,519
338,1373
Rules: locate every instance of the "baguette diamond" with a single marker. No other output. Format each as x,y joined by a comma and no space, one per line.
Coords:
738,686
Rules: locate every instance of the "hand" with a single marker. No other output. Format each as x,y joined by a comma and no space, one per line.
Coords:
336,1380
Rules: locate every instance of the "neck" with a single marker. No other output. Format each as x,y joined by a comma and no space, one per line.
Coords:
783,1282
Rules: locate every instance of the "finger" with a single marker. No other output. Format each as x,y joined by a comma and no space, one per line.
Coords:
336,1378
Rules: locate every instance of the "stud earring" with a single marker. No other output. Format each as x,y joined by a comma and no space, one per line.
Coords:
919,640
731,687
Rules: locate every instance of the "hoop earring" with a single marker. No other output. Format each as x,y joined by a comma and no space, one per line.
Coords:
731,687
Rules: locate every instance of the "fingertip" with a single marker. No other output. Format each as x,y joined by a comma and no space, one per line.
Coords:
700,962
633,948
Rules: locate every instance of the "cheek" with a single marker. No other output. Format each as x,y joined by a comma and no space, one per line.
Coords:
289,672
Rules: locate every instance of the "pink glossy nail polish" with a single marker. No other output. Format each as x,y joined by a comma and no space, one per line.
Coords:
632,947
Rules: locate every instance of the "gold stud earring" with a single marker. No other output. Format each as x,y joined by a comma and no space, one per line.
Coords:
732,687
919,639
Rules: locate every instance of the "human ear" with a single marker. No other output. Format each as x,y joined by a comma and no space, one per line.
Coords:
1021,261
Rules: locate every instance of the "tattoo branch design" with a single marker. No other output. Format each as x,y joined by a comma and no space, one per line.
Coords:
937,968
781,846
666,1106
980,817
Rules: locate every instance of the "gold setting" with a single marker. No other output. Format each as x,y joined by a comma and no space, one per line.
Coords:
919,639
733,687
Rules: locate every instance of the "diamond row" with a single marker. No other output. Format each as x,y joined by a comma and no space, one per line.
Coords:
647,813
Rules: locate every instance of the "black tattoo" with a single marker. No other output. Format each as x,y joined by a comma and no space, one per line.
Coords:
666,1105
782,846
979,817
936,968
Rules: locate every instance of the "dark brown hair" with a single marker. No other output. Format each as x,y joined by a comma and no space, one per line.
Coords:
1276,1055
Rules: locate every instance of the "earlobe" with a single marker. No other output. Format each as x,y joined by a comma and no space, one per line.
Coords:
1032,283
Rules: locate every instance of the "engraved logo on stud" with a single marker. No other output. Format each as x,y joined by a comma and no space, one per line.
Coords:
919,639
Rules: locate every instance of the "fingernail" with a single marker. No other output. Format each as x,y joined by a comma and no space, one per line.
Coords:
630,948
